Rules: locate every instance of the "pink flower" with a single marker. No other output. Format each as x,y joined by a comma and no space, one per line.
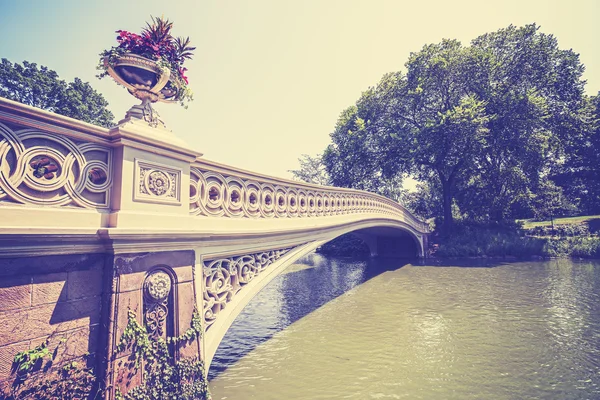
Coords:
182,74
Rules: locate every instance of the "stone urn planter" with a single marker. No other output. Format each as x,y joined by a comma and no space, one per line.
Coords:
150,66
144,78
146,81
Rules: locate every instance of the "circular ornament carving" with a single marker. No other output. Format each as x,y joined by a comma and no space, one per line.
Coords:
158,183
158,285
44,167
97,176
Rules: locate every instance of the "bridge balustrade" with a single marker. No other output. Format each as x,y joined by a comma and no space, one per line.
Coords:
218,190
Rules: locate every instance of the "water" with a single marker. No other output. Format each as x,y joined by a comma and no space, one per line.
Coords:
338,329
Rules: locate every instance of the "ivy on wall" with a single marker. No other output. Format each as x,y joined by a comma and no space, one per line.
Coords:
164,377
34,377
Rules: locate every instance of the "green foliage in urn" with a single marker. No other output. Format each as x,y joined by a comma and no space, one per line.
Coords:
164,377
41,87
156,43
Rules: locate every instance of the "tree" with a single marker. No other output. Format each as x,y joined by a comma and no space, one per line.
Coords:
579,173
360,154
425,123
549,201
311,170
484,123
533,96
425,202
42,88
439,125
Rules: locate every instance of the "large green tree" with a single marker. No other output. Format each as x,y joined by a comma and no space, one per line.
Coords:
360,154
533,95
483,123
579,172
42,88
425,123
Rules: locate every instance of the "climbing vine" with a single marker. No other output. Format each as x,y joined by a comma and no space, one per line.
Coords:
36,379
164,376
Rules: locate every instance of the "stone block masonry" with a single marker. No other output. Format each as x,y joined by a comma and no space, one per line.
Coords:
55,298
130,291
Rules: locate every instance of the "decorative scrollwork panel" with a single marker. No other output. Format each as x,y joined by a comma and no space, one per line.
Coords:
225,277
44,169
157,288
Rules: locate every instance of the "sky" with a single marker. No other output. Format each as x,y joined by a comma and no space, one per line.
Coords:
270,78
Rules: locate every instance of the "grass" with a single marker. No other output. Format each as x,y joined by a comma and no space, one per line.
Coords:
476,240
530,223
482,241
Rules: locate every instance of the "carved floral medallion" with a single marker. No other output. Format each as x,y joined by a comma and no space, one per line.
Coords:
157,183
158,285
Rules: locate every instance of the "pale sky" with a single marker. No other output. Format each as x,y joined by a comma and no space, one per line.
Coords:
271,77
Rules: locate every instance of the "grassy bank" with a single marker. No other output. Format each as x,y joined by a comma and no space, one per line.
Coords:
473,240
584,219
572,237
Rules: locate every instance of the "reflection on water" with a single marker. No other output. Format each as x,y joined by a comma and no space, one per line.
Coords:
341,329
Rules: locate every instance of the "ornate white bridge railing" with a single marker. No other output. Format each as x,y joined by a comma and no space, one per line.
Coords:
42,168
50,160
224,277
220,191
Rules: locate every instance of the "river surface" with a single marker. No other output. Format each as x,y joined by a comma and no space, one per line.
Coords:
334,328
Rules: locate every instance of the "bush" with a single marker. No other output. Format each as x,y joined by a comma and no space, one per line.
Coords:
469,239
479,240
583,247
560,230
478,243
346,245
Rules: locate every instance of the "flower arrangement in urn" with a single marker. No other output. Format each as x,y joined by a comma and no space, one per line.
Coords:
150,64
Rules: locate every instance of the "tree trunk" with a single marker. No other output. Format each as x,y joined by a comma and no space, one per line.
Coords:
496,214
447,196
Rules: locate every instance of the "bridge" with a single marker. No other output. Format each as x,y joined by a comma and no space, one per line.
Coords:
96,222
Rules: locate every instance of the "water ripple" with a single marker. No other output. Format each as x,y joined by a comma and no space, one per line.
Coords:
342,329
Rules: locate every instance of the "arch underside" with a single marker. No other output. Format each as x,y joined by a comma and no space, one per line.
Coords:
232,280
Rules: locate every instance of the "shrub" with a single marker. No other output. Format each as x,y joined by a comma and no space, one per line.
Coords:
469,239
583,247
560,230
346,245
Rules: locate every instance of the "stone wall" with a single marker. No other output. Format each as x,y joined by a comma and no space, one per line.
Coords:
54,298
79,303
133,272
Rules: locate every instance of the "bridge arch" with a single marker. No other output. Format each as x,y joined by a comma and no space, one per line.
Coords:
225,296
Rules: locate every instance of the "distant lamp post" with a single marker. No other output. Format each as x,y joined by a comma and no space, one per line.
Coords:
150,67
